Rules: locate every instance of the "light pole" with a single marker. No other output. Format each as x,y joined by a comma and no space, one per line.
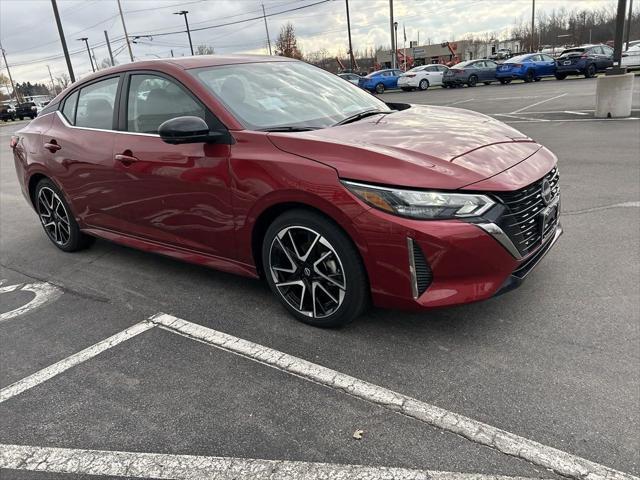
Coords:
628,23
395,44
86,42
186,22
349,31
393,39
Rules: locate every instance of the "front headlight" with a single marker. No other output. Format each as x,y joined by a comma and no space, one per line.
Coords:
423,205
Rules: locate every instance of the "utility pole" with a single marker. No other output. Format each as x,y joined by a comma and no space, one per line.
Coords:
264,16
186,22
53,85
106,37
63,41
617,40
13,87
126,35
393,38
86,42
629,23
533,25
349,30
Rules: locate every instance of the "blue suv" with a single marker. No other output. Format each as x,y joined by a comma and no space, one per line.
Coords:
586,60
380,80
529,67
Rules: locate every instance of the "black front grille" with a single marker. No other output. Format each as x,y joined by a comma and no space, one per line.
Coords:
522,220
424,275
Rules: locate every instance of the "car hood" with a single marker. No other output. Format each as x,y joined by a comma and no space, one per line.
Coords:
422,146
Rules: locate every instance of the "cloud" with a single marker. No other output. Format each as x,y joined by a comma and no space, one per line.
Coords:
30,38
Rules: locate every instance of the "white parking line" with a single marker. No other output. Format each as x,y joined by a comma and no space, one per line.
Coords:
44,293
57,368
538,103
191,467
561,462
459,102
542,120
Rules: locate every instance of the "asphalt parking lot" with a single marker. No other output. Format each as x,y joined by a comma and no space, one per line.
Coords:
88,367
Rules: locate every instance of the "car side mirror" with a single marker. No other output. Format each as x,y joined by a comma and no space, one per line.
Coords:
189,129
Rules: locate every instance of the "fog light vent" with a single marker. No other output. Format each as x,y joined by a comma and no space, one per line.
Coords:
421,274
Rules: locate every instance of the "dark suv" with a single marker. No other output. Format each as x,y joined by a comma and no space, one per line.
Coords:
27,109
7,113
586,60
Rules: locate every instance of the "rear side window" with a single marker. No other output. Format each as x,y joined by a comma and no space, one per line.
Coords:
153,100
69,109
96,104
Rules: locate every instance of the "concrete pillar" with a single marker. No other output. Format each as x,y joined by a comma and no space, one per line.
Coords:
613,96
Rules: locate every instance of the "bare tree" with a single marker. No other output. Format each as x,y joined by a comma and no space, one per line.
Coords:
64,80
287,44
205,50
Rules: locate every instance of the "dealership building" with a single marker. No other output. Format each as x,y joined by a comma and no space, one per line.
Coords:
440,52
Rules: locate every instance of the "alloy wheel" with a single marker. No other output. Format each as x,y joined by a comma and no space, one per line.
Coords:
307,271
54,216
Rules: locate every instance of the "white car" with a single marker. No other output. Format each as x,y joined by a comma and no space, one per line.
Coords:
631,58
422,77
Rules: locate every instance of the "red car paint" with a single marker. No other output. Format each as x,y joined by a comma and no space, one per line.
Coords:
206,204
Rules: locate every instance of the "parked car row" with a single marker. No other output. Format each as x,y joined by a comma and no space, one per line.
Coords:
586,60
19,111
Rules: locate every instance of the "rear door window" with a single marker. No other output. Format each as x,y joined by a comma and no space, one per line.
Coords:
69,108
96,104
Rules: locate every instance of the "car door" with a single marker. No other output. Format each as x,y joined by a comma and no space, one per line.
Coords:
434,75
607,57
176,194
80,142
489,70
548,65
393,79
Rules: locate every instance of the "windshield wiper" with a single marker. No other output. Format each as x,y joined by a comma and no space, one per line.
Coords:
359,116
288,129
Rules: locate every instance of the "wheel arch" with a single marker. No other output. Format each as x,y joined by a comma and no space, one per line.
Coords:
273,211
33,183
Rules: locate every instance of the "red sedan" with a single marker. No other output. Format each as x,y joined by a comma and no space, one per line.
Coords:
270,167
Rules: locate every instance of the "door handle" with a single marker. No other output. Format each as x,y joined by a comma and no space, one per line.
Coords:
126,160
52,146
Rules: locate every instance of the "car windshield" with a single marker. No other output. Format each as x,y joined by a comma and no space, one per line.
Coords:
462,65
271,95
375,74
417,69
518,59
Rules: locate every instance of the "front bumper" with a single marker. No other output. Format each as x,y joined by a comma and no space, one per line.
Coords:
455,80
466,264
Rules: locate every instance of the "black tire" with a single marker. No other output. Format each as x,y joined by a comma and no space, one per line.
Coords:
406,89
71,241
505,81
348,269
487,83
21,118
591,71
379,88
530,76
424,84
473,80
561,76
537,79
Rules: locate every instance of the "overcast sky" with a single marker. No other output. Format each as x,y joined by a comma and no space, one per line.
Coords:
29,36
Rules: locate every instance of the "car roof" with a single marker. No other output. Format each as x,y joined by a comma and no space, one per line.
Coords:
187,63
